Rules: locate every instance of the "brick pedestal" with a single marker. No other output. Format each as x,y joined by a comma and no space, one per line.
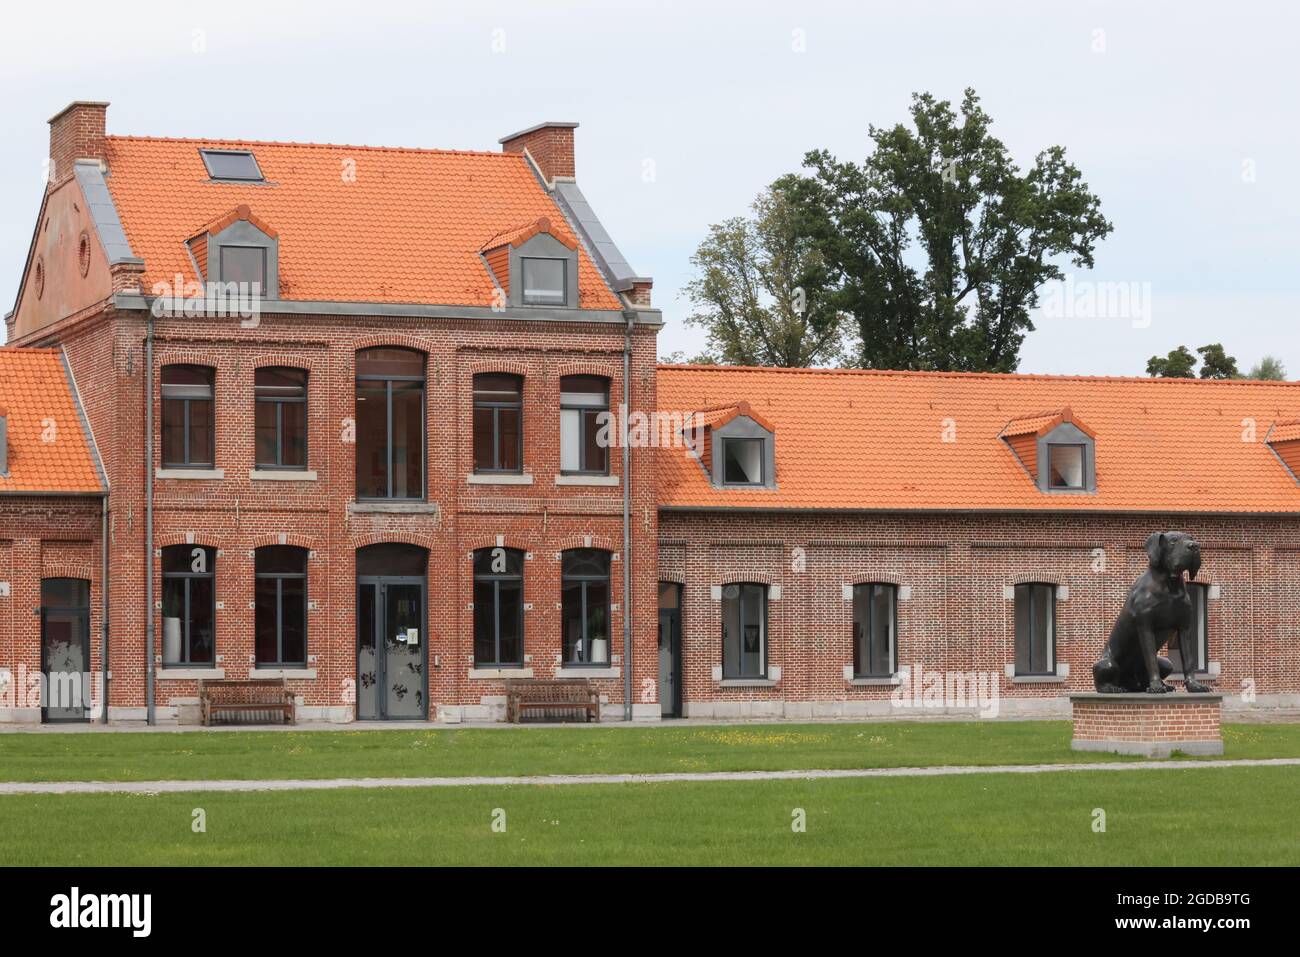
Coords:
1152,725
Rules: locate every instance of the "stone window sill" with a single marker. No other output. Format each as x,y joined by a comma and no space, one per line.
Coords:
502,478
394,508
182,673
192,475
282,475
577,671
747,683
488,674
606,481
1038,679
308,674
883,681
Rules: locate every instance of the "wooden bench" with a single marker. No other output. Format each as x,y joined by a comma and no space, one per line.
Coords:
259,698
570,696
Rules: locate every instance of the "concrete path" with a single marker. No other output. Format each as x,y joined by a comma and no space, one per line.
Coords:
330,784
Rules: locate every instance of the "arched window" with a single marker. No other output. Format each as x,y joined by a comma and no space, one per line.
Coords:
584,408
280,603
280,418
744,630
498,422
1035,628
390,423
875,627
584,621
188,423
499,608
189,605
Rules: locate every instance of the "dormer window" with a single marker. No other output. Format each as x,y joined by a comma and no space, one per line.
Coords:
239,250
544,282
738,449
1065,463
1058,452
240,165
742,461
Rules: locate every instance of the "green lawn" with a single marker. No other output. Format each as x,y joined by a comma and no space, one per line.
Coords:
204,755
1189,816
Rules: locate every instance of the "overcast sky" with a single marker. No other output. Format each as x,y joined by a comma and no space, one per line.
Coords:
1182,117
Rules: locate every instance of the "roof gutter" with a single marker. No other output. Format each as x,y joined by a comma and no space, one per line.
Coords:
627,516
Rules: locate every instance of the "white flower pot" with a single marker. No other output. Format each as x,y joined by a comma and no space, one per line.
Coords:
599,650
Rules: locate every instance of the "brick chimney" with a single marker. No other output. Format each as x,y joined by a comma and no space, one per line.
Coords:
549,144
76,132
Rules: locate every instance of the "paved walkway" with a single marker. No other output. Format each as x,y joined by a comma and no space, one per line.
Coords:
330,784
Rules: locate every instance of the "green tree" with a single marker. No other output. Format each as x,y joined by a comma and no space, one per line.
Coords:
1269,367
1179,364
1217,364
937,243
761,291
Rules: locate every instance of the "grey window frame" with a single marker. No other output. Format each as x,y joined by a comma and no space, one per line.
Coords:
204,153
496,406
583,581
564,281
1032,589
187,577
1199,592
280,578
279,402
764,591
388,381
865,591
583,411
1083,466
496,580
762,461
186,430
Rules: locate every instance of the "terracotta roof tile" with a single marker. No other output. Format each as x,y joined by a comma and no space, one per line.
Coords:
356,224
1284,432
864,440
48,450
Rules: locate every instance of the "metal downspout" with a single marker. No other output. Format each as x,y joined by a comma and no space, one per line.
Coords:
148,521
627,519
103,595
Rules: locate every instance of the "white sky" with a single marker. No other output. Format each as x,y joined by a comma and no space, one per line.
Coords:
1163,121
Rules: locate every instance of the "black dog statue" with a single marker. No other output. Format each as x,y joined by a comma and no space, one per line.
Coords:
1158,607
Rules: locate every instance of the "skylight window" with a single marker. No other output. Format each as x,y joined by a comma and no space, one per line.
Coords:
231,164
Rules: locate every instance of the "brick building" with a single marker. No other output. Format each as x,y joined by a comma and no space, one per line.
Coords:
373,462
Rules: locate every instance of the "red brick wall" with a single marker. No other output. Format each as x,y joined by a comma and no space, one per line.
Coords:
1176,720
237,514
957,618
551,148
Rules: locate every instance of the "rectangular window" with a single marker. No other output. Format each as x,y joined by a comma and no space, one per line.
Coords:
187,420
245,265
545,281
744,631
498,423
742,461
390,424
1199,594
584,410
498,608
231,164
874,629
584,618
280,606
1035,629
1066,463
189,606
280,419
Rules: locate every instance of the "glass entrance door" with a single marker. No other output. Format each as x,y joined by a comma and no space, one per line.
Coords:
65,649
392,680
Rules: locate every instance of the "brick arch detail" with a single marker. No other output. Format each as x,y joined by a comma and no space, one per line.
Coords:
278,360
398,340
490,541
82,570
381,537
308,542
1038,578
514,366
189,356
872,579
602,542
598,367
167,539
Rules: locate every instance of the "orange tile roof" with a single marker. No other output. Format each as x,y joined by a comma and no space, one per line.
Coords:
48,447
1284,432
356,224
865,440
517,235
1042,423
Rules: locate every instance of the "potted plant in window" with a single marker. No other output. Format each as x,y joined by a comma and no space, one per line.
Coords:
599,641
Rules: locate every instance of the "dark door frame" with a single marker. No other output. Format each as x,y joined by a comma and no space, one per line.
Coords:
82,617
381,657
674,616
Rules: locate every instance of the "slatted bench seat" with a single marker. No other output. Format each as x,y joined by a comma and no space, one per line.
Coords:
255,700
559,698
